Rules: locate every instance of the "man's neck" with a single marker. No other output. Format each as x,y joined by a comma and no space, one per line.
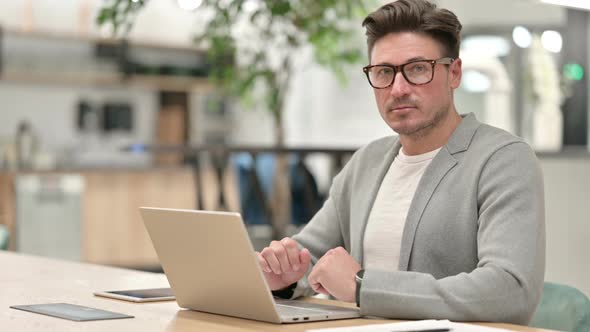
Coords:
434,138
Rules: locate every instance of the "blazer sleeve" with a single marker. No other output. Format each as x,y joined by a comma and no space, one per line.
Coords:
507,283
324,231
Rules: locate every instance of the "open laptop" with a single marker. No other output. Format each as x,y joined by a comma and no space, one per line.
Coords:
212,267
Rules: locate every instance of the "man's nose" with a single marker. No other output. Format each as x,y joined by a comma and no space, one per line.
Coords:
400,86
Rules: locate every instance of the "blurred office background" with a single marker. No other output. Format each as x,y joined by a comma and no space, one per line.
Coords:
92,128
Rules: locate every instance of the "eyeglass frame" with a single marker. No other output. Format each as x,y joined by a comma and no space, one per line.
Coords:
400,68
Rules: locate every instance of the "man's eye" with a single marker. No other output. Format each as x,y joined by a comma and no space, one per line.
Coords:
418,68
383,71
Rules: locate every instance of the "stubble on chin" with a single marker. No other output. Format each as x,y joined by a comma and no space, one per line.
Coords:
419,130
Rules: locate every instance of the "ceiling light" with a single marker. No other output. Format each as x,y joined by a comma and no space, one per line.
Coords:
521,36
580,4
552,41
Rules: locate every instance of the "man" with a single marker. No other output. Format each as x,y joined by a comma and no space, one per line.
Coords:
444,221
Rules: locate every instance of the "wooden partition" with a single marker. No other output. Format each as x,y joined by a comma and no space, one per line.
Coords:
7,216
112,232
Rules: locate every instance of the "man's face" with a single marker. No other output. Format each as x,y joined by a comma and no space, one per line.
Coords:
414,110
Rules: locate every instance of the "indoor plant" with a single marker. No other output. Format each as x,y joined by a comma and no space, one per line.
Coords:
251,47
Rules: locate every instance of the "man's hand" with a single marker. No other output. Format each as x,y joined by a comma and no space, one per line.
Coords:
283,263
334,274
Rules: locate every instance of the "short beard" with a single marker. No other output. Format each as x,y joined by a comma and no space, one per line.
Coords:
418,133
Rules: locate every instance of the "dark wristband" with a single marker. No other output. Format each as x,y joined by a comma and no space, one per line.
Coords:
359,280
285,293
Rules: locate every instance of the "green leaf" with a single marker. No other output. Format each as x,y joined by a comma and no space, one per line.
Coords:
279,7
104,15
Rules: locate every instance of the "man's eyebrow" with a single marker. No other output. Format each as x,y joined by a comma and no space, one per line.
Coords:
418,58
415,59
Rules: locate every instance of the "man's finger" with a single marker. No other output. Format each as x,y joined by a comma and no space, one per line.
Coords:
263,264
314,278
305,258
292,250
280,253
269,255
317,286
322,290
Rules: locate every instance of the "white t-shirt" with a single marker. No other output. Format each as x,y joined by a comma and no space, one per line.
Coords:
386,222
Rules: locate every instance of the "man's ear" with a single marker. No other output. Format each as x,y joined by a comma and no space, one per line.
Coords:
455,73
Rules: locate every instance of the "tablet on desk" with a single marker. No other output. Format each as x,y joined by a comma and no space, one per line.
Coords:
70,311
140,295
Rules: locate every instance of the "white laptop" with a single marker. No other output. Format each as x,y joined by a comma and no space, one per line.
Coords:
212,267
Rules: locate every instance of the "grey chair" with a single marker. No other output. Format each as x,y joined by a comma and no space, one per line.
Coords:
562,308
3,237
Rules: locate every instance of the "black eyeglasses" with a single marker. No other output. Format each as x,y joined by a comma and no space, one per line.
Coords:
417,72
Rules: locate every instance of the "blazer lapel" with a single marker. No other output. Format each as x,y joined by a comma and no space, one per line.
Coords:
441,164
435,172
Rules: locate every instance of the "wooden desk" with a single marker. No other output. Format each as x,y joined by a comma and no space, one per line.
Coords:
33,280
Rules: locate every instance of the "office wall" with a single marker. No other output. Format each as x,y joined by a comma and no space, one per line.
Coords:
160,21
587,78
474,13
52,110
567,188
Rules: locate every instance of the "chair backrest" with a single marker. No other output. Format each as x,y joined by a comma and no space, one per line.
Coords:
305,196
3,237
562,308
